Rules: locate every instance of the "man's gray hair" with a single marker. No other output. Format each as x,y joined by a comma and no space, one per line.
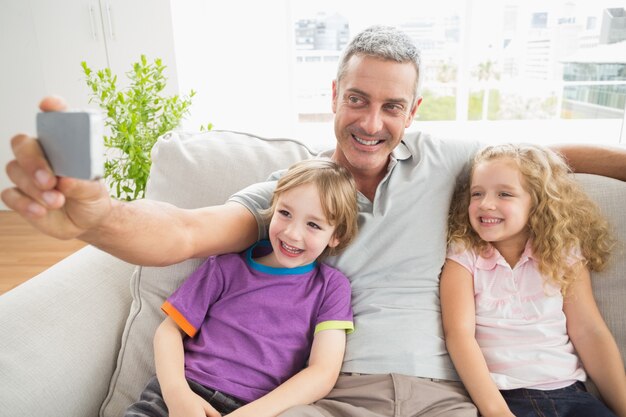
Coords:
382,42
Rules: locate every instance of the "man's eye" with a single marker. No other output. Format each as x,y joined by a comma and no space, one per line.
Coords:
354,100
394,108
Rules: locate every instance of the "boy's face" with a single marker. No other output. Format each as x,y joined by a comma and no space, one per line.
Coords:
299,231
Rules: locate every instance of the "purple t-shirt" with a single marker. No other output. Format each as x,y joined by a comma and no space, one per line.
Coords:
250,326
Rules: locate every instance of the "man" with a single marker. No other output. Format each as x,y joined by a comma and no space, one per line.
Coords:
396,362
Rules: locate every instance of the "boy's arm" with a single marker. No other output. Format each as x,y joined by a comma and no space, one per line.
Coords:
169,357
308,385
592,159
594,343
459,323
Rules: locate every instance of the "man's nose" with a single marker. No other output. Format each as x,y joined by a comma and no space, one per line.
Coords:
372,122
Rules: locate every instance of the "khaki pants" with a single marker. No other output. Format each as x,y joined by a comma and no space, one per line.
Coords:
394,395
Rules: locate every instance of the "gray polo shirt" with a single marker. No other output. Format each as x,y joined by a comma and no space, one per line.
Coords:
394,263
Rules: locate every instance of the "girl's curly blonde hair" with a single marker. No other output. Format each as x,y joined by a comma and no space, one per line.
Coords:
562,218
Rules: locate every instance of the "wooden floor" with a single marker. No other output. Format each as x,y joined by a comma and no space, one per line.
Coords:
25,252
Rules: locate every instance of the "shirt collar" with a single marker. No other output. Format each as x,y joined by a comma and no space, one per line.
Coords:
491,257
303,269
401,152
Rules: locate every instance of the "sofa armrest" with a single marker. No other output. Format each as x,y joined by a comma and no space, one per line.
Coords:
609,286
60,334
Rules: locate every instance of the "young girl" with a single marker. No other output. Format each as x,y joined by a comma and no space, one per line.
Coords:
520,321
242,327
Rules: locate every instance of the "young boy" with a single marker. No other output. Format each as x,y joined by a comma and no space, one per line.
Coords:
240,330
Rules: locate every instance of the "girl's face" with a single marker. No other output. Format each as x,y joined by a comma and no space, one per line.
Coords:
499,204
299,231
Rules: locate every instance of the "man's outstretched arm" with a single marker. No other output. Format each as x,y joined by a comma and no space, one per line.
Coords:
609,161
142,232
154,233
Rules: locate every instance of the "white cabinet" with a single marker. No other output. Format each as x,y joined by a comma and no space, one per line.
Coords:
103,33
43,42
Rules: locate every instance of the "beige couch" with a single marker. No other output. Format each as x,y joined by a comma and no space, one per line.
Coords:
76,340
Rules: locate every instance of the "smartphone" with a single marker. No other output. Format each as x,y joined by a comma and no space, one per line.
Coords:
73,142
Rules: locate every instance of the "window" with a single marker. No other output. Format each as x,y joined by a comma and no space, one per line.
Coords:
539,20
516,70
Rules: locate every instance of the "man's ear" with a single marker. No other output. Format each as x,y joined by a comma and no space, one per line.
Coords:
413,112
335,91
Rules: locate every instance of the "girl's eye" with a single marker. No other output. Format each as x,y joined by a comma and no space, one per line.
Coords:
506,195
284,213
476,194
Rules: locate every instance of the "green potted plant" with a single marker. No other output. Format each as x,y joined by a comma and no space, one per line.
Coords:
135,117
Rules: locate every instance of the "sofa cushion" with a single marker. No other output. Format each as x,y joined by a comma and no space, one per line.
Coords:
190,171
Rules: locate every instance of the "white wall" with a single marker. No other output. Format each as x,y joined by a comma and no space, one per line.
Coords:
20,66
237,56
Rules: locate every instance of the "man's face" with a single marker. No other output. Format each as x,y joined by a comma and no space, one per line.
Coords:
373,104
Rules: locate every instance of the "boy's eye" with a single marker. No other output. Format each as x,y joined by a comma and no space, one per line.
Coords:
503,194
314,225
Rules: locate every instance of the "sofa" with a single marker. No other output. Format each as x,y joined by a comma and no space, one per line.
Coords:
76,340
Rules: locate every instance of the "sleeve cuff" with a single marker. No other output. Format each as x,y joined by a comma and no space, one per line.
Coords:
348,326
182,322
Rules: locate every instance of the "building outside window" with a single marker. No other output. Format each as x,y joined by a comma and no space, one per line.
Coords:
595,84
497,71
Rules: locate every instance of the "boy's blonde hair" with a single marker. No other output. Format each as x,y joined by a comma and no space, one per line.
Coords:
562,217
338,196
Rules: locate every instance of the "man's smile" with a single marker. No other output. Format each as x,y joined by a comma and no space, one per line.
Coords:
366,142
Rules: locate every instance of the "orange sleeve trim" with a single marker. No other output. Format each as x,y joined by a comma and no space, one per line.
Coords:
182,322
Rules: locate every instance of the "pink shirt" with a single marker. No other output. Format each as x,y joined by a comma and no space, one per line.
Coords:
520,324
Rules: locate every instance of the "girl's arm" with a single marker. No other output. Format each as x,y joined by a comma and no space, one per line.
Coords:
459,325
169,359
308,385
594,343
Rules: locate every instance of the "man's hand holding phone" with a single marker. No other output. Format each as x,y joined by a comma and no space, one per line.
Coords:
72,142
60,206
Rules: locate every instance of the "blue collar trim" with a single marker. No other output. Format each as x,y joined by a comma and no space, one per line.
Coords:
273,270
